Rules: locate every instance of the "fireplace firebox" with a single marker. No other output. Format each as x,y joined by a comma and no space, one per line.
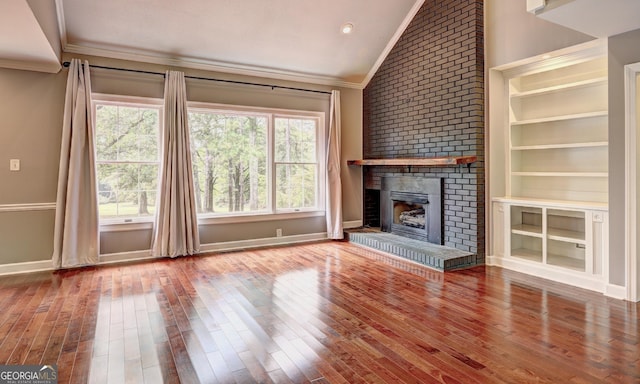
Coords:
412,207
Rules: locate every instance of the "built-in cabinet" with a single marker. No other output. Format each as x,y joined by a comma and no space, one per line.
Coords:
561,241
549,222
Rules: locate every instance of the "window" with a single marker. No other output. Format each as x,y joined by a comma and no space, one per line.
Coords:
229,156
296,163
255,161
127,156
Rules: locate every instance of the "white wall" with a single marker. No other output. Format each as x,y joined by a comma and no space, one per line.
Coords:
511,33
623,49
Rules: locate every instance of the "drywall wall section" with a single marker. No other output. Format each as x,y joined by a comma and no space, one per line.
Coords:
512,33
623,50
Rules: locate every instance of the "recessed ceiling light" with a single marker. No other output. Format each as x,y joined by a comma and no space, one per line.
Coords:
347,28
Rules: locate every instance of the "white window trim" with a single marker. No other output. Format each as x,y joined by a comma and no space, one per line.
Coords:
257,217
119,99
271,213
129,223
120,226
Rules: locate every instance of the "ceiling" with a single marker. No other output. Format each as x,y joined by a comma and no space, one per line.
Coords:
32,50
286,39
597,18
289,39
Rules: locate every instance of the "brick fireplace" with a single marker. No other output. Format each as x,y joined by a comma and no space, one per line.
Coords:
427,100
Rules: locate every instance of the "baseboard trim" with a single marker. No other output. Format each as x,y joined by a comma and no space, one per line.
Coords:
264,242
26,267
616,291
549,273
121,257
352,224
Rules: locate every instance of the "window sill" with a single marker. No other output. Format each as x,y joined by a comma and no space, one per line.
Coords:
121,225
114,225
256,217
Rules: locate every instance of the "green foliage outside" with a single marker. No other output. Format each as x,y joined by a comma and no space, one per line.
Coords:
127,159
230,169
229,159
295,157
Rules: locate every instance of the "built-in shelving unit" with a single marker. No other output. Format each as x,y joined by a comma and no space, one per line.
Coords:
558,144
552,219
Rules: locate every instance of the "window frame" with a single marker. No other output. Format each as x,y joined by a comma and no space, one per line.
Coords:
123,223
271,213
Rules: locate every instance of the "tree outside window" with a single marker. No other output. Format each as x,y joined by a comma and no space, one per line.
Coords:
296,163
229,154
127,158
254,161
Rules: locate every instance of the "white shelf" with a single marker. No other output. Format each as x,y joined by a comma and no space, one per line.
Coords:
565,262
563,204
527,254
560,146
566,236
560,88
576,116
552,260
527,230
561,174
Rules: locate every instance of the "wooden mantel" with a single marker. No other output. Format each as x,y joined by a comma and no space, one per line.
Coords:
417,161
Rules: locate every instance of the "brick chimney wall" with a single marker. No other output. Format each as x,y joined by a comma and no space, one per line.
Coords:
427,100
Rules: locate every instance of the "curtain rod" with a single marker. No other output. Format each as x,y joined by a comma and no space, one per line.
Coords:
272,86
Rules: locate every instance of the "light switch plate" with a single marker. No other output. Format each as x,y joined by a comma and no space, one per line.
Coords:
14,164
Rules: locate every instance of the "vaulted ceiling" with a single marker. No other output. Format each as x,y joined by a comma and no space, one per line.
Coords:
289,39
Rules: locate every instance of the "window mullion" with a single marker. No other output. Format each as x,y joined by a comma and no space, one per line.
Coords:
272,163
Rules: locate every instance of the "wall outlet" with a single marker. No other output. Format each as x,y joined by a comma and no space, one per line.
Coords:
14,164
279,232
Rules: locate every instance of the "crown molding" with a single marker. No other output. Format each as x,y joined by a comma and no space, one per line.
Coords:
556,59
209,65
392,43
62,24
42,66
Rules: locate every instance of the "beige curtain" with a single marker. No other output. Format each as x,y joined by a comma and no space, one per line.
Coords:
75,241
334,185
176,225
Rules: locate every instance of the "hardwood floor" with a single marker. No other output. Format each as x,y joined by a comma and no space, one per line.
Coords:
321,313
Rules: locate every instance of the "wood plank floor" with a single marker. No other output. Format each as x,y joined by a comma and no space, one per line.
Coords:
316,313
